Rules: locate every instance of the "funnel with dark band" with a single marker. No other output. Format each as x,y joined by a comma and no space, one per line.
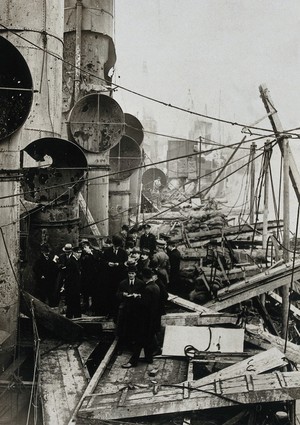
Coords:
134,128
16,89
60,181
124,158
96,122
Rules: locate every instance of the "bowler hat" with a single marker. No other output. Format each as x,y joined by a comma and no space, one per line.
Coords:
131,269
147,273
130,263
68,247
84,242
77,249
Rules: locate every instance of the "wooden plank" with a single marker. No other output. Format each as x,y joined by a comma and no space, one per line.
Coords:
259,363
11,369
253,287
94,381
62,381
196,319
88,215
85,349
206,357
277,271
189,305
293,309
265,340
57,324
266,388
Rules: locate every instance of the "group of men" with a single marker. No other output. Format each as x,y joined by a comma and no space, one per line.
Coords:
128,280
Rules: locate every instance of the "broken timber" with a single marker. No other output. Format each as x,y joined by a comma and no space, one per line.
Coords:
62,381
198,319
256,285
265,340
236,384
244,389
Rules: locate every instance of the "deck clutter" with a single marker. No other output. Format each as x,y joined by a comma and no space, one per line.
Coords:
224,352
132,291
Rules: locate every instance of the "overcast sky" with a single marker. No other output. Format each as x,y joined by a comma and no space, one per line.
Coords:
220,50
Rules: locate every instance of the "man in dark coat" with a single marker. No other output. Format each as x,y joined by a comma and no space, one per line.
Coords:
72,284
174,261
148,240
45,272
89,275
113,259
129,297
149,321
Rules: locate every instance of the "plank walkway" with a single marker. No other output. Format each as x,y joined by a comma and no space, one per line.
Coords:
247,389
62,382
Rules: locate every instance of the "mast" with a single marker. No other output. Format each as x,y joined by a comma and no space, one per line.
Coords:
266,193
289,170
252,182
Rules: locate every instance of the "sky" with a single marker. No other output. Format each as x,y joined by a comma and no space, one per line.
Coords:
220,50
209,56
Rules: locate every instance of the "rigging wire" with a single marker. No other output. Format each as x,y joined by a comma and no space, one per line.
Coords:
185,199
292,279
178,108
115,172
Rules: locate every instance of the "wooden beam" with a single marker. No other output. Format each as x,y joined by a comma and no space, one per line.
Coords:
62,381
254,286
294,310
198,319
94,381
189,305
259,363
263,339
88,216
271,387
280,135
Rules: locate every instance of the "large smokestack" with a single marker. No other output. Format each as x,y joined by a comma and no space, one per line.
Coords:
32,35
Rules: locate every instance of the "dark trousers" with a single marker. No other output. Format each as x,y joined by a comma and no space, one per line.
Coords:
148,344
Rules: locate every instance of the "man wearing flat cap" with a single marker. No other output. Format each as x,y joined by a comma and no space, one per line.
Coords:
148,240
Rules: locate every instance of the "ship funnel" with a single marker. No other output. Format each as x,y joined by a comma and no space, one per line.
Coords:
124,158
96,122
16,89
62,179
151,175
134,128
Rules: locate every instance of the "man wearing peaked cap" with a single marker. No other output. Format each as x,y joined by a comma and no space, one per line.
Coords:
161,242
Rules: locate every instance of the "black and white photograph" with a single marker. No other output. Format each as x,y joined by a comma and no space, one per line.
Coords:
149,212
